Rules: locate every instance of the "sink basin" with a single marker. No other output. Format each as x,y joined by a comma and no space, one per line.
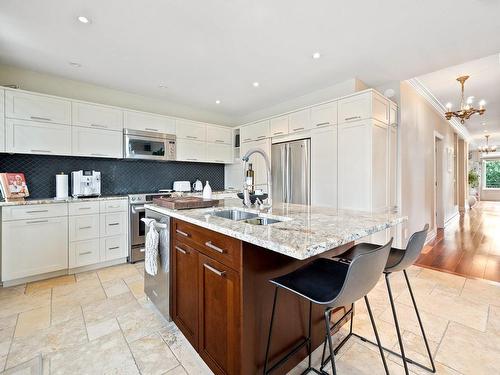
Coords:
234,214
262,221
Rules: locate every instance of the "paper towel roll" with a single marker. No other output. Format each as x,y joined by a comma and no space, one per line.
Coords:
61,186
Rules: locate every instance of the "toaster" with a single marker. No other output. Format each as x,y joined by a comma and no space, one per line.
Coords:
183,186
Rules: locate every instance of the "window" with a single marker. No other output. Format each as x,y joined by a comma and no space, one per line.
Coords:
492,174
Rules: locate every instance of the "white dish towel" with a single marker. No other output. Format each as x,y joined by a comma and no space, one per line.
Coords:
151,256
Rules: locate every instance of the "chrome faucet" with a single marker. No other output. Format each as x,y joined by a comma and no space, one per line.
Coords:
246,187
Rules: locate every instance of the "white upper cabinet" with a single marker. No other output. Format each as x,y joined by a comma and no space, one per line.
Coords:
219,153
218,134
255,132
97,116
324,115
2,133
98,143
299,121
279,126
363,106
25,106
324,166
148,122
393,114
2,101
191,130
191,150
32,137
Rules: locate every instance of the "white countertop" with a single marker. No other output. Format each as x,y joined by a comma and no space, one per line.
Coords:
307,230
54,200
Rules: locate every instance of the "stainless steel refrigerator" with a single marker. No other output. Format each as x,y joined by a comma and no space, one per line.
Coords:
291,172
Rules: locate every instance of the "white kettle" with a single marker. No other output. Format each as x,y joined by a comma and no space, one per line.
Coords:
197,186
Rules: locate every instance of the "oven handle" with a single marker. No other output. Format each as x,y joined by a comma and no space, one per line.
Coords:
138,209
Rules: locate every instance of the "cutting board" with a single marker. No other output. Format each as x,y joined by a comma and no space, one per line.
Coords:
185,203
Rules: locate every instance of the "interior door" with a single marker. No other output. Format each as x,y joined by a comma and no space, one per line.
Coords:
278,166
299,170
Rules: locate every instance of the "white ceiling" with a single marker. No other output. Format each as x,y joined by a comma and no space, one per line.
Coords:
484,83
208,50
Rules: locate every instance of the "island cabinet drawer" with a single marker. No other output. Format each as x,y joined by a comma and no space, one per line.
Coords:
226,250
34,211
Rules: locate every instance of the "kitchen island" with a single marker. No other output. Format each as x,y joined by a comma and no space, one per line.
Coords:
221,298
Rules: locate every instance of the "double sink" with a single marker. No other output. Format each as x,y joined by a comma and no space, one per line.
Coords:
245,216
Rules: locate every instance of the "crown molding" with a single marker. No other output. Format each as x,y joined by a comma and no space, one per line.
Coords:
439,107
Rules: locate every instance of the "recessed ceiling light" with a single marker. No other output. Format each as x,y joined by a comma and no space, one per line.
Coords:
483,123
485,131
75,64
217,101
316,55
161,86
83,19
256,84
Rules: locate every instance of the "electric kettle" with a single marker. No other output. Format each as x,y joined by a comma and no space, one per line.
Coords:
197,186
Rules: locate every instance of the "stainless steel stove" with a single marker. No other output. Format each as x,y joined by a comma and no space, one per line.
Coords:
137,228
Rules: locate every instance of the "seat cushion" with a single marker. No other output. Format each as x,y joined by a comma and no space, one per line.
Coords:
319,281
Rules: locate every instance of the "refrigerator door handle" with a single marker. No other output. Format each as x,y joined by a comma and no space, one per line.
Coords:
288,169
283,173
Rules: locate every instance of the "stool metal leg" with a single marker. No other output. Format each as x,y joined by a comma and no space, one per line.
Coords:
330,344
270,330
420,323
380,347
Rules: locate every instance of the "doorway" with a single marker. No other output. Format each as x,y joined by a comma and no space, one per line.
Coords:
438,182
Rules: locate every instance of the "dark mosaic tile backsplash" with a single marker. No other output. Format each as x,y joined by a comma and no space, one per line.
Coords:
117,176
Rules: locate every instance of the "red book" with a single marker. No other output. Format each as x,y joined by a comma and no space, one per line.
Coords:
14,186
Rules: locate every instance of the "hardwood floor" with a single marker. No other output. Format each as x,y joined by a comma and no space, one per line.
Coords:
470,246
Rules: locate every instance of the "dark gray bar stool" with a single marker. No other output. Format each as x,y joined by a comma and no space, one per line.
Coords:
331,283
399,260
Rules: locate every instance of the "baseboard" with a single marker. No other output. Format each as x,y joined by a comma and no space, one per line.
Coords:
96,266
431,235
452,218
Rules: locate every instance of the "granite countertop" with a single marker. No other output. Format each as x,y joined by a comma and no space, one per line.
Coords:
305,231
54,200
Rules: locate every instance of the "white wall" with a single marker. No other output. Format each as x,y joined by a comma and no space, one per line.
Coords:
54,85
418,122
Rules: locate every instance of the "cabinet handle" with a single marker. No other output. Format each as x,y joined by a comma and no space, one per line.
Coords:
220,161
99,126
323,123
37,221
45,151
113,248
181,250
212,246
113,224
87,227
216,271
113,206
193,159
85,253
352,118
247,139
40,118
191,137
182,233
84,208
261,137
297,129
277,133
151,129
36,211
219,141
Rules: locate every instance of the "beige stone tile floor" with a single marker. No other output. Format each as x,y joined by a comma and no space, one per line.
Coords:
100,322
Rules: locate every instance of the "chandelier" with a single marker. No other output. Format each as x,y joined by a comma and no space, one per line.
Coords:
486,149
466,109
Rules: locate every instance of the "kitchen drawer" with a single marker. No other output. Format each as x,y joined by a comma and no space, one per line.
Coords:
299,121
217,134
148,122
83,227
26,106
83,253
114,205
34,211
83,208
113,248
113,224
324,115
191,130
96,116
224,249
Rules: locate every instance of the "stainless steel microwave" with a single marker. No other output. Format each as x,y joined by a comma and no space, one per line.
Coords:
140,144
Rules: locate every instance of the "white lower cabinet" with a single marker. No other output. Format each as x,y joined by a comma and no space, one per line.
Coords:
324,167
189,150
84,253
32,137
35,246
2,133
97,142
113,248
219,153
83,227
113,224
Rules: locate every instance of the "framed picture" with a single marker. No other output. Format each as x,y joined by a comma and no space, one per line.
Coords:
14,186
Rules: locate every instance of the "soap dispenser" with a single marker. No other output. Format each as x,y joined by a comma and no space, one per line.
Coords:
207,191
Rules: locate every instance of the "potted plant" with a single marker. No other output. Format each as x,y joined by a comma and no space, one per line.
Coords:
473,185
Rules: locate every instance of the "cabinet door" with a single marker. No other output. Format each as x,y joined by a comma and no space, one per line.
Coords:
217,134
189,150
113,248
324,167
31,137
2,133
148,122
191,130
393,166
113,224
35,107
83,253
219,153
380,167
185,290
219,312
258,164
97,142
33,247
393,114
2,101
254,132
279,126
300,121
83,227
324,115
96,116
355,107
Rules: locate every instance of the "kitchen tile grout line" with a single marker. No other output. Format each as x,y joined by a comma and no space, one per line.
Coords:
128,345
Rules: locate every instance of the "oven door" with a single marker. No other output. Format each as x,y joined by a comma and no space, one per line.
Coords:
137,226
143,147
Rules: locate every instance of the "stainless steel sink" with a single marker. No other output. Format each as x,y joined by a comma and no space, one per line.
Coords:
234,214
262,221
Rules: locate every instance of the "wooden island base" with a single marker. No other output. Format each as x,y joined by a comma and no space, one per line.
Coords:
221,300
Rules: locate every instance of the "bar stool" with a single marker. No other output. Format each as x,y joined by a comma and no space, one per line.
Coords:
331,283
399,260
